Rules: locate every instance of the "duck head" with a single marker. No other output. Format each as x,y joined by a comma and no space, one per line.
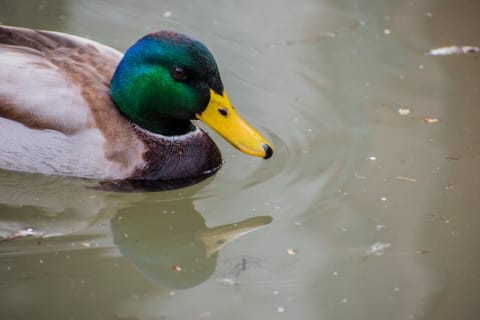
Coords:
167,79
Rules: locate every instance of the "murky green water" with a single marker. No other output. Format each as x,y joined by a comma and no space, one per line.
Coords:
366,211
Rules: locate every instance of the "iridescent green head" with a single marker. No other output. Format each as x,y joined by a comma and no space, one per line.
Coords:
167,79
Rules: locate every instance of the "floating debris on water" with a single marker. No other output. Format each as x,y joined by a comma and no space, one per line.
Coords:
25,233
431,120
450,50
406,179
359,176
28,232
404,111
176,268
378,248
281,309
229,281
422,251
292,251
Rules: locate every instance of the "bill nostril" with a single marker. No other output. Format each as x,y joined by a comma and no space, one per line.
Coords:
223,111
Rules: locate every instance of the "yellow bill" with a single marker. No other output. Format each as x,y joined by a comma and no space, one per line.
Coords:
222,117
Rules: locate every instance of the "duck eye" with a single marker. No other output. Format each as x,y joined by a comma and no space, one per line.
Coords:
178,73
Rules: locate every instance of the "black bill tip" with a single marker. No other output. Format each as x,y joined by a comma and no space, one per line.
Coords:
268,151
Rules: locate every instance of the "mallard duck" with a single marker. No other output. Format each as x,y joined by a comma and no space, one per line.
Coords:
72,106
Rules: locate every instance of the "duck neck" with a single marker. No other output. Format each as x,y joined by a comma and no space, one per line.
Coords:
165,127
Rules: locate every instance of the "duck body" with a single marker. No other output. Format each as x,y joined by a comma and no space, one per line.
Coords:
62,113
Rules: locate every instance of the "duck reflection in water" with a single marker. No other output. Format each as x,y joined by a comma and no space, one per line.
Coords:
175,248
163,235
